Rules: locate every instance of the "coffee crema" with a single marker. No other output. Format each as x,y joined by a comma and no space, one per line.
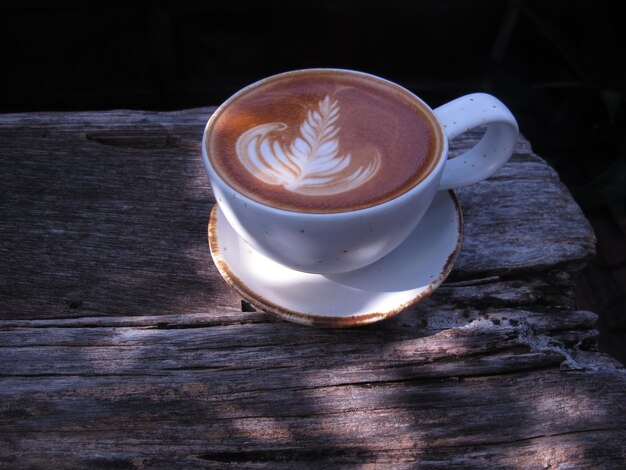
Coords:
323,141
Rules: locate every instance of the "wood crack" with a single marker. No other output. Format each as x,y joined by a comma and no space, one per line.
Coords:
537,437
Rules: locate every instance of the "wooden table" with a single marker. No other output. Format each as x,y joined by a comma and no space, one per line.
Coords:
122,347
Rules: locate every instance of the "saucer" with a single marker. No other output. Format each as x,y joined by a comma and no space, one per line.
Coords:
385,288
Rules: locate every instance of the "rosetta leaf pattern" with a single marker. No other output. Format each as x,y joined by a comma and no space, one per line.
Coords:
311,163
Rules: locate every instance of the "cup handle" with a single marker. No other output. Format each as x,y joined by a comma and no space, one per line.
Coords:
491,152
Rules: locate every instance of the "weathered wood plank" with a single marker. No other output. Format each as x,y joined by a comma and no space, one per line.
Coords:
355,356
122,347
106,215
87,418
430,316
456,389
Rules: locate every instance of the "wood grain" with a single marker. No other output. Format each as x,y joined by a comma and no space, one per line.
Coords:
106,215
122,347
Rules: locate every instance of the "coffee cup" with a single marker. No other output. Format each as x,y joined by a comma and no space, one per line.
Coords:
329,170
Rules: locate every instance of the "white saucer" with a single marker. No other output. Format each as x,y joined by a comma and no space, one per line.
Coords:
405,276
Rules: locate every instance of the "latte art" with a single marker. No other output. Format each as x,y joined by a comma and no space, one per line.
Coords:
322,141
311,163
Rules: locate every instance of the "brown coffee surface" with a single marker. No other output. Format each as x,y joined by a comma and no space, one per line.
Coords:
323,141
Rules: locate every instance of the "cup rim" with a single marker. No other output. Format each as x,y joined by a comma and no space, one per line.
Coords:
433,172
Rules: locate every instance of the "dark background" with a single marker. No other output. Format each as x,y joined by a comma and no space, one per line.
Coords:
559,65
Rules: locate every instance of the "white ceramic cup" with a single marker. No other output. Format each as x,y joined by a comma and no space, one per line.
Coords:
346,241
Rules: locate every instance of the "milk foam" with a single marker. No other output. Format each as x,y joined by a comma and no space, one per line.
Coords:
311,164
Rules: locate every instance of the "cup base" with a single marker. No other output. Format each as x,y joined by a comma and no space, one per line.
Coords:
381,290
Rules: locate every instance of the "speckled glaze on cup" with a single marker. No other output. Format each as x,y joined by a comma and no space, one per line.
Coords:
346,241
